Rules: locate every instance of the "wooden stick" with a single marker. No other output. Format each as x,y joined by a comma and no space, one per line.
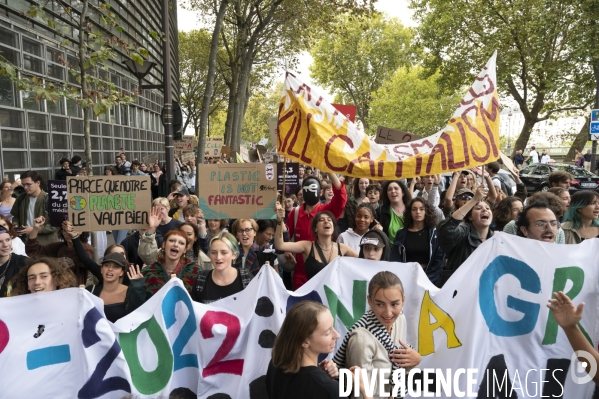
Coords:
284,182
483,176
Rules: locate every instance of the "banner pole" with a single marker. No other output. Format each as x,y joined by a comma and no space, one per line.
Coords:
483,176
284,182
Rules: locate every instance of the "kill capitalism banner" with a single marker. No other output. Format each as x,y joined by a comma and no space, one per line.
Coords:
235,191
109,202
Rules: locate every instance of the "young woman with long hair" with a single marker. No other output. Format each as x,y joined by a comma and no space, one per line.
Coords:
391,213
317,254
18,246
466,229
6,198
581,220
42,275
224,280
363,220
10,263
418,241
171,259
294,371
378,339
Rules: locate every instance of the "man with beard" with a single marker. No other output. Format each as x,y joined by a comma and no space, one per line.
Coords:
538,222
300,218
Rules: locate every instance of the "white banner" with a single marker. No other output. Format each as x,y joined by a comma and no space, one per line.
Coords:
490,315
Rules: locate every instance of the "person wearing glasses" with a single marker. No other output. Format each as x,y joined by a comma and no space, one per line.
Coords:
553,203
248,257
31,205
468,227
538,222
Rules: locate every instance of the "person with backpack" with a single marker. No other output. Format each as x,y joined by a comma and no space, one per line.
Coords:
493,169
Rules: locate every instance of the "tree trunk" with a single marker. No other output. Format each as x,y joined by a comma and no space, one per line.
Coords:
231,108
522,140
579,141
209,87
84,89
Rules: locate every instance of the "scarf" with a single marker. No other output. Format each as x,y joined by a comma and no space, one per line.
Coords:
374,326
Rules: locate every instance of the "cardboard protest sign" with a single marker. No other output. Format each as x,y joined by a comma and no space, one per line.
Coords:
188,156
507,162
183,145
225,150
57,202
233,191
292,180
244,153
151,158
386,135
213,147
109,202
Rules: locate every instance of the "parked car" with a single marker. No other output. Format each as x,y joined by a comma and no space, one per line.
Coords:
536,177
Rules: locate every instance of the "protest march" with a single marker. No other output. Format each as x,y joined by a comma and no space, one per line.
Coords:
344,266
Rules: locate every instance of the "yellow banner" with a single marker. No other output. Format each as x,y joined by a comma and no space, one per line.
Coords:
313,132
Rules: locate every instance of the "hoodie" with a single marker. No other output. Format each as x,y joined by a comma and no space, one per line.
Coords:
382,236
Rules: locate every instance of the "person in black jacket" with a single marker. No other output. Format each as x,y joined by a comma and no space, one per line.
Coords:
65,170
10,264
417,241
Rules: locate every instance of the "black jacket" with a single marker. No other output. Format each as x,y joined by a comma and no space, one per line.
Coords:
385,256
437,256
131,244
458,240
383,215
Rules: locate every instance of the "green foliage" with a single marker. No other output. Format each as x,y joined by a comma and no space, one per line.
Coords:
543,62
261,107
412,103
358,55
194,52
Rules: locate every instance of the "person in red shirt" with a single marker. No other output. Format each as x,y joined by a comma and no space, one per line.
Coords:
299,228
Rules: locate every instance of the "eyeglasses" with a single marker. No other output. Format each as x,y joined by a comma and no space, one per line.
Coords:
245,231
464,197
542,224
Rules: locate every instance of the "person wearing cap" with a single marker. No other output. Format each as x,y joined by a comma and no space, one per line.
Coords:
375,245
119,299
461,180
468,227
418,241
182,198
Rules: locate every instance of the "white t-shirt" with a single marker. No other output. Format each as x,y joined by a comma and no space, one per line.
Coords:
31,211
534,156
545,158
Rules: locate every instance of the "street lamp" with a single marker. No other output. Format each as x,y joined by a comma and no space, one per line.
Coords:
140,71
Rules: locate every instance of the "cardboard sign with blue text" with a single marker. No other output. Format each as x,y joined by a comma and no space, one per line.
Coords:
233,191
109,202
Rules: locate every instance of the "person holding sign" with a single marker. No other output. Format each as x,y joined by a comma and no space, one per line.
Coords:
224,280
377,339
466,229
294,371
324,227
171,259
300,218
59,249
42,275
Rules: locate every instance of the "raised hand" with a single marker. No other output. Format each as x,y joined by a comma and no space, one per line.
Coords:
154,219
39,222
280,211
565,312
67,229
134,272
481,192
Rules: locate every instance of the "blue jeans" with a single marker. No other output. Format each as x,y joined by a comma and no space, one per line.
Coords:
119,235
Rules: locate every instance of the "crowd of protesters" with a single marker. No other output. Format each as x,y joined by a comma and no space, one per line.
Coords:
435,221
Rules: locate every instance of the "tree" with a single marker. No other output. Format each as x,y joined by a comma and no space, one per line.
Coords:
261,107
194,52
358,56
264,33
412,103
538,43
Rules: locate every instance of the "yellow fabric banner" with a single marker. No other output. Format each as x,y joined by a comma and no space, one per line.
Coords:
313,132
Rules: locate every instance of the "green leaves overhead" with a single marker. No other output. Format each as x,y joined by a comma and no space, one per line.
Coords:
358,55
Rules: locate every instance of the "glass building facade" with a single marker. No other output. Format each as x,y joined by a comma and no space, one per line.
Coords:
37,134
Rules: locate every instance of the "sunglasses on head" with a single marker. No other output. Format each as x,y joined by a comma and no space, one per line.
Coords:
464,197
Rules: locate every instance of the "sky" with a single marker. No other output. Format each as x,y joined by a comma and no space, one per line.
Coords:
393,8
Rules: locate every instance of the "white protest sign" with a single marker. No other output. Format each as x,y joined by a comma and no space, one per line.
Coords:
491,315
